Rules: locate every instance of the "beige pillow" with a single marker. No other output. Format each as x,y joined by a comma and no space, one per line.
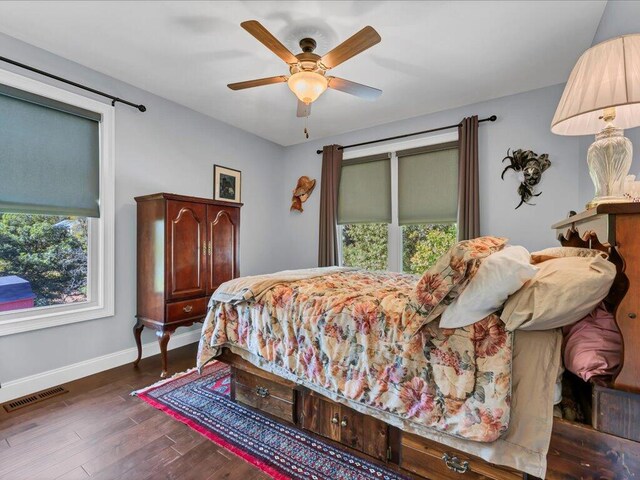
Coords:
562,292
559,252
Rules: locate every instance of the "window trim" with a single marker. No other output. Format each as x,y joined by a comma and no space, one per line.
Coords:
394,241
101,238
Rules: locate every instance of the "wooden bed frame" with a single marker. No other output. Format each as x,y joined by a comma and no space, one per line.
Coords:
608,448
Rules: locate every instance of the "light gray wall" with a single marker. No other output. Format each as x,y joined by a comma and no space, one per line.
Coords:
523,122
619,18
171,148
168,148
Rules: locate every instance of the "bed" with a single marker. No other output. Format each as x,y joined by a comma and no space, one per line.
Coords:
352,356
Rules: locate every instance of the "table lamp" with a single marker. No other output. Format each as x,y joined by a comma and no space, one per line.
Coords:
602,97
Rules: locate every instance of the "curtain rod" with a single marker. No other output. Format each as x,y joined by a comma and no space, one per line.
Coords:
492,118
142,108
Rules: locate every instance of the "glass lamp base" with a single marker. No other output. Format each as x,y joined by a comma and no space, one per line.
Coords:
609,159
599,201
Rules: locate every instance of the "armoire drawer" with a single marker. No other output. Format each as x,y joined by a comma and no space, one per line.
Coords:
187,309
434,460
264,394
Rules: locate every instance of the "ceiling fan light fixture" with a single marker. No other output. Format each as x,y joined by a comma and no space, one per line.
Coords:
307,86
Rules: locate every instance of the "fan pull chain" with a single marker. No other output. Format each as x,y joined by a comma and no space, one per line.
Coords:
306,130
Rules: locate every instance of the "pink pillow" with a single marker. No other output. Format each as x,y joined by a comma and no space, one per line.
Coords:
593,345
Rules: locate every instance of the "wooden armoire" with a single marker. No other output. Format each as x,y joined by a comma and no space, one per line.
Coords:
187,247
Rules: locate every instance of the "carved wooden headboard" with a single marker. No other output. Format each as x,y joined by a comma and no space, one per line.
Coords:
590,240
613,228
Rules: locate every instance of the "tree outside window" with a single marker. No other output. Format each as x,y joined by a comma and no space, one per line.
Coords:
50,252
366,245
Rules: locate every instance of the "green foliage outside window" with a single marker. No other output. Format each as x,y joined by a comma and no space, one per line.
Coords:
422,245
366,245
51,255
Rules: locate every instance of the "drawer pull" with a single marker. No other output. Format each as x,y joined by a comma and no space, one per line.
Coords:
187,308
343,423
262,392
334,420
454,463
632,315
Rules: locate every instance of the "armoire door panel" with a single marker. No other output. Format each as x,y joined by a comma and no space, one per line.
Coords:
186,249
222,244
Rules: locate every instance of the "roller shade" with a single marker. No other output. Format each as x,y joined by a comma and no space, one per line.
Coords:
365,190
428,184
49,156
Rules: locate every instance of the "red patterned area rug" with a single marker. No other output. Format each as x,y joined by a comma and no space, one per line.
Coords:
202,402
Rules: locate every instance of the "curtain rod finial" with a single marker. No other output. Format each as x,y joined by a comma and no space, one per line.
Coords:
142,108
493,118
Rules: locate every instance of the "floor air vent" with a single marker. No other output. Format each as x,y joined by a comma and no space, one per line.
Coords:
35,398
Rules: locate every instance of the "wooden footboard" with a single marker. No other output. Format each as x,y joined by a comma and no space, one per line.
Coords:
580,452
577,451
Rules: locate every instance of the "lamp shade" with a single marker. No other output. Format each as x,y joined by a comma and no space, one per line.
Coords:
307,86
605,76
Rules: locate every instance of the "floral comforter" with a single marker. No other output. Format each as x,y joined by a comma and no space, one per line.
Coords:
344,334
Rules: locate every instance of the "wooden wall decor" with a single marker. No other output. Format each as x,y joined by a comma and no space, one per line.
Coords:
302,192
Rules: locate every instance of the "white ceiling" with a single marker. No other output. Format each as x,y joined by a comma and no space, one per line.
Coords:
433,55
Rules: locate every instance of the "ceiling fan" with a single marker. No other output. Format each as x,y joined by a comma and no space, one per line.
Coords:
308,77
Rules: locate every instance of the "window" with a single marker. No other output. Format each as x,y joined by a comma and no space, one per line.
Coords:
401,218
364,211
427,203
56,206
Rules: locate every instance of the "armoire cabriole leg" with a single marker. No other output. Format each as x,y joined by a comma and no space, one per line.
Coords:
163,340
137,332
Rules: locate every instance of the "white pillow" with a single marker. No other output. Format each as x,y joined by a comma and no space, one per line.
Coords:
500,274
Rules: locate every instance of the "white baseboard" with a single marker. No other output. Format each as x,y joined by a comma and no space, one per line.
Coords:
51,378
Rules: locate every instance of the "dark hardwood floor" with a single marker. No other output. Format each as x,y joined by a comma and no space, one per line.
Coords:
98,431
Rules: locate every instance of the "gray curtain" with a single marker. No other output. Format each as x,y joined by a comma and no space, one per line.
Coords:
468,197
329,187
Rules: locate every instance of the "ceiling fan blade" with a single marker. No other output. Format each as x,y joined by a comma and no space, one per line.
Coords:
353,88
304,110
263,35
257,82
358,43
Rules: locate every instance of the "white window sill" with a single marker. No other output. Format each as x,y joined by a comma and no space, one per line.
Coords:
46,317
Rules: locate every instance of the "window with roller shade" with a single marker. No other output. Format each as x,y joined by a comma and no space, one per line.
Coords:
55,223
364,211
49,157
427,203
402,216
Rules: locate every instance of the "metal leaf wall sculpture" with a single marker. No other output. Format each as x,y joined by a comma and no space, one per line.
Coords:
532,167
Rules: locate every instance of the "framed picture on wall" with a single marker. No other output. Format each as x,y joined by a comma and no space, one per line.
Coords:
227,184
